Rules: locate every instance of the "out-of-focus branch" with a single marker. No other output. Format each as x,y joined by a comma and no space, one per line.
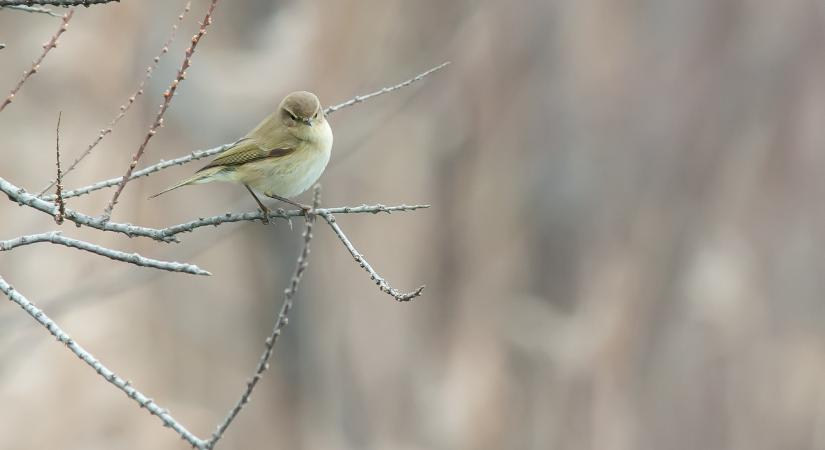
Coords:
359,258
360,98
167,99
103,371
124,108
61,203
33,9
289,293
64,25
55,237
198,154
62,3
19,195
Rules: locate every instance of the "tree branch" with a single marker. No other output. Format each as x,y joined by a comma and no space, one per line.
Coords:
167,100
61,204
55,237
64,25
33,9
125,386
361,98
20,196
280,323
61,3
359,258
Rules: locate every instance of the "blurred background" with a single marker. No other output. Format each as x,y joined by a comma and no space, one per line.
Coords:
625,247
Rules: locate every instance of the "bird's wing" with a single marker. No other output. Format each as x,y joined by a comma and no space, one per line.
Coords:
247,150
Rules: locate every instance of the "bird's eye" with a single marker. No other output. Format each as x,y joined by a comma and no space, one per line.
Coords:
292,116
315,116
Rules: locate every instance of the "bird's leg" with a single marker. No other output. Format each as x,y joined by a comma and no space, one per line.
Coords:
264,209
307,209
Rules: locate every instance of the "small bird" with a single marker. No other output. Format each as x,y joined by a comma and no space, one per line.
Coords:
281,158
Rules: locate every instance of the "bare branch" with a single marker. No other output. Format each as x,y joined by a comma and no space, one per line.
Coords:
280,323
359,258
61,204
282,214
198,154
361,98
33,9
64,25
167,99
124,108
20,196
61,3
124,385
55,237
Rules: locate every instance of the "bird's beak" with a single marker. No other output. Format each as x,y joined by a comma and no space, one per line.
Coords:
307,122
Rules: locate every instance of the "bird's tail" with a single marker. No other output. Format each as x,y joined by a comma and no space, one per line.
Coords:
204,176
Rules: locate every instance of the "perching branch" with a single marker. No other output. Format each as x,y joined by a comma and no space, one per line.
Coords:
124,108
360,98
280,323
359,258
167,100
61,3
64,25
132,258
125,386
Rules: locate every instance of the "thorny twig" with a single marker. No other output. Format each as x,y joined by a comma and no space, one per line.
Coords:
33,9
64,25
61,204
360,98
167,99
124,385
55,237
61,3
280,323
359,258
124,108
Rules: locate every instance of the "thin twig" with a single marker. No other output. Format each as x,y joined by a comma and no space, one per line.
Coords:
359,258
167,99
198,154
124,385
61,204
33,9
20,196
132,258
64,25
280,323
61,3
124,108
360,98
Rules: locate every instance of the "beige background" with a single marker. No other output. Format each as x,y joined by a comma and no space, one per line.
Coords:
625,249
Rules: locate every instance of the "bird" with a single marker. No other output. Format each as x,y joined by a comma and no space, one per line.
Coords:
281,158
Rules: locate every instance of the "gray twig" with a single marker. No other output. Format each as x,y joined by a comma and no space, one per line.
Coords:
359,258
124,385
280,323
361,98
167,100
198,154
132,258
64,25
61,3
20,196
61,203
124,108
33,9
